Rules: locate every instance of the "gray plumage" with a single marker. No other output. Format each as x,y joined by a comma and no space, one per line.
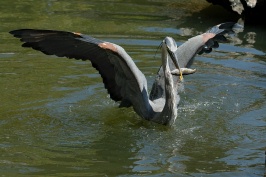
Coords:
121,77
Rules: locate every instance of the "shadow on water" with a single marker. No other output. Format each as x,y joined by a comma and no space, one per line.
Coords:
57,119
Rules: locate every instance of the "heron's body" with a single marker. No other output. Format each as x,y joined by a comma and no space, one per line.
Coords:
121,77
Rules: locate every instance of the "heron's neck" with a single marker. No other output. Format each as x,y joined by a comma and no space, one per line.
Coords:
169,112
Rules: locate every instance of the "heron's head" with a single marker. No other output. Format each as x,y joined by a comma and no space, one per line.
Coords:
170,46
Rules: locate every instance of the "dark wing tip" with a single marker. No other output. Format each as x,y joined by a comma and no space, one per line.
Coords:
42,32
17,33
219,31
227,27
235,27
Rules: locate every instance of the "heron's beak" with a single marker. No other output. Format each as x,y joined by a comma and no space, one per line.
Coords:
175,61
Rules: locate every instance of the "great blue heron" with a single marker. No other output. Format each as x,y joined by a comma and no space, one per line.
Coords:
121,77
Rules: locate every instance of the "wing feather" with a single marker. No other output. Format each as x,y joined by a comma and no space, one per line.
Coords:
117,75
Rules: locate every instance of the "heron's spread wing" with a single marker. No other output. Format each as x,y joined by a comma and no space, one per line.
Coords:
121,77
196,45
219,31
186,52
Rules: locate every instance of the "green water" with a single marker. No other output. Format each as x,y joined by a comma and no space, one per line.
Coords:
56,118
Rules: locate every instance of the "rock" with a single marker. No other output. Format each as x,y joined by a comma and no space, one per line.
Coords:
251,10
